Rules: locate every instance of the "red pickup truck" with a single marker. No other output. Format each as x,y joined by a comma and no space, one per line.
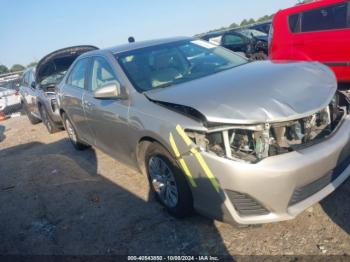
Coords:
315,31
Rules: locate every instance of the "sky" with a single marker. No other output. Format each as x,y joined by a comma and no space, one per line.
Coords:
30,29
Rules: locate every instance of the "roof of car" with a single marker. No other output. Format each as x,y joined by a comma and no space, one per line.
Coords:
310,5
143,44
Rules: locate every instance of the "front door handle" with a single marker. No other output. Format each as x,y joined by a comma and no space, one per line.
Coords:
88,105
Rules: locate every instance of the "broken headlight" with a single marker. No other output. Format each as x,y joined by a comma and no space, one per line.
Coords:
248,145
256,142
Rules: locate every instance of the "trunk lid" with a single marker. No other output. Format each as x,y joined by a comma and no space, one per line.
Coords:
59,61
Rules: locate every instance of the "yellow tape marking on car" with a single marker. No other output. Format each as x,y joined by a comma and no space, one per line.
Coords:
182,162
199,158
184,136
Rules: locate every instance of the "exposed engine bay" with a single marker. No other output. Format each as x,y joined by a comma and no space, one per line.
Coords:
253,143
48,84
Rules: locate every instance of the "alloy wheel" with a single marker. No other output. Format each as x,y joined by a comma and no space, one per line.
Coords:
163,181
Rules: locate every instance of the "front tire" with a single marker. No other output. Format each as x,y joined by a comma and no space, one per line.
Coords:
167,181
73,137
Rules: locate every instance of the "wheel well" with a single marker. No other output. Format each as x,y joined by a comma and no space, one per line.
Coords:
62,112
141,151
142,148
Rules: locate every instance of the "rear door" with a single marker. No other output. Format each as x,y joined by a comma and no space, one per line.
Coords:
33,93
108,118
324,36
72,97
28,92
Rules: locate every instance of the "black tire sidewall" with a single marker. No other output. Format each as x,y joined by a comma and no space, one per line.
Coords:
46,120
184,206
77,144
33,120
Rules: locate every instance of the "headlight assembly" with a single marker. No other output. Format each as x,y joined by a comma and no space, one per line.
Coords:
253,143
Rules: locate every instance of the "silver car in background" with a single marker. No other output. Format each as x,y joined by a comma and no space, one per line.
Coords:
10,100
242,142
38,86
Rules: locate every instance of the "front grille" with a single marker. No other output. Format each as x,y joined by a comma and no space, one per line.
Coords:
308,190
246,205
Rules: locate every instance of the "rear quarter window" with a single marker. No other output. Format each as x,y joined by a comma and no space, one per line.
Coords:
25,79
326,18
294,23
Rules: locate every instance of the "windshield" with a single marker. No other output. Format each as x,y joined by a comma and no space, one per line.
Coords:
250,32
170,64
53,79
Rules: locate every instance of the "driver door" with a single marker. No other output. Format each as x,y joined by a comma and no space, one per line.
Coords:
107,118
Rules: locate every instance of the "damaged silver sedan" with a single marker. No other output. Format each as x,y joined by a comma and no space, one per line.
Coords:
242,142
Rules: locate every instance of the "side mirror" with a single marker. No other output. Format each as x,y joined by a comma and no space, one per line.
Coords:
109,91
32,85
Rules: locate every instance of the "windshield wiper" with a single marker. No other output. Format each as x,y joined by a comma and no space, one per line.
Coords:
165,85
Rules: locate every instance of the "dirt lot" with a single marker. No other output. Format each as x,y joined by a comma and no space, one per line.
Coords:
55,200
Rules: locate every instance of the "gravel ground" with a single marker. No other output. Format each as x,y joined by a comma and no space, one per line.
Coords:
55,200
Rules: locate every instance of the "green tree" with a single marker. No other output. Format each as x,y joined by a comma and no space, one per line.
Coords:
32,64
244,22
264,18
251,21
17,67
234,25
3,69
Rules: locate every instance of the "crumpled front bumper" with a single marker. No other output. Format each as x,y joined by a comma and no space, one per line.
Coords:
278,184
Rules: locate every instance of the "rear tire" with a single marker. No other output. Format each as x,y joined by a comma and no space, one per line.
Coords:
168,181
50,125
73,136
32,119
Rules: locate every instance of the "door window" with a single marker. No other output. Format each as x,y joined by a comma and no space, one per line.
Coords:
231,39
294,23
78,73
31,78
102,74
327,18
25,80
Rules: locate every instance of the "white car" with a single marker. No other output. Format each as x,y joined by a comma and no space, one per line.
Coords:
10,100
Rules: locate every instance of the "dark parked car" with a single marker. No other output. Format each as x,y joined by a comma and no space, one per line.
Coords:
262,27
38,87
253,43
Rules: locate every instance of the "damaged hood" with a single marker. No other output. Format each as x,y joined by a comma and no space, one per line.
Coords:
258,92
59,60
